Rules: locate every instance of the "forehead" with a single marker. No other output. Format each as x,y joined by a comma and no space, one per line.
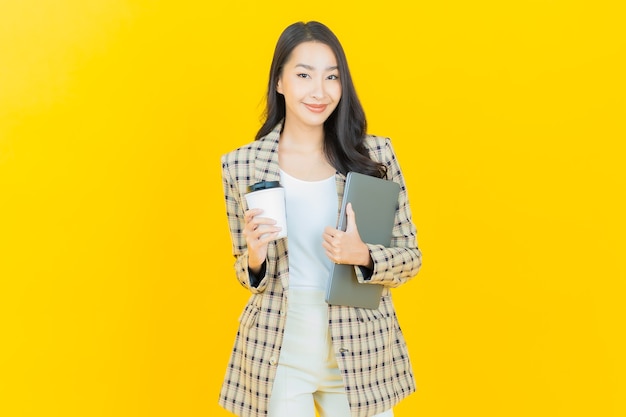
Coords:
315,54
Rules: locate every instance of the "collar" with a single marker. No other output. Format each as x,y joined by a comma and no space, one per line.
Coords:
266,166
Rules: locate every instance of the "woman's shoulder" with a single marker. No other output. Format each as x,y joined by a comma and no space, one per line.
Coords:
236,157
239,152
374,141
261,147
250,151
378,145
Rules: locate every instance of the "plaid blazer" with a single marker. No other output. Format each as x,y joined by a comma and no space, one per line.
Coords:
370,348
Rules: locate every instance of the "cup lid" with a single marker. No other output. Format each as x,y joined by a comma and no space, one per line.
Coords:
263,185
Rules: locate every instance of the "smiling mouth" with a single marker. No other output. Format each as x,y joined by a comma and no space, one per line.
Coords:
316,108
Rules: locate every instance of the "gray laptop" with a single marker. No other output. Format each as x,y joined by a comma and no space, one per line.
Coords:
375,202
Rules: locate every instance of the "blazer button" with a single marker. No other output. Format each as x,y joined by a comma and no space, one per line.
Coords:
344,350
273,360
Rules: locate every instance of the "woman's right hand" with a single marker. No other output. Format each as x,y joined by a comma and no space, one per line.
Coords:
259,232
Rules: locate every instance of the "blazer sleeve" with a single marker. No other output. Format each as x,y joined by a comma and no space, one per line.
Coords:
235,214
401,261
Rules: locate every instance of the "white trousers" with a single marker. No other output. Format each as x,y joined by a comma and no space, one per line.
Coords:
307,377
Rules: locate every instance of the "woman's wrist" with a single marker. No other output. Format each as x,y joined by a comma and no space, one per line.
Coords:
254,267
367,258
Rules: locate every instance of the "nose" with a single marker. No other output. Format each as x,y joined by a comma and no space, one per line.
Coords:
317,88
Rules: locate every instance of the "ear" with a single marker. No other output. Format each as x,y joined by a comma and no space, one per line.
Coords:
279,87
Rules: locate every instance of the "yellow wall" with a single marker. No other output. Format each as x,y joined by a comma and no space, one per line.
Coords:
117,296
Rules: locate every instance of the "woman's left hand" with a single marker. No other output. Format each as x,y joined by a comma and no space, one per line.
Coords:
346,247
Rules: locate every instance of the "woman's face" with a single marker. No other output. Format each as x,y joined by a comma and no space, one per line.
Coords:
310,84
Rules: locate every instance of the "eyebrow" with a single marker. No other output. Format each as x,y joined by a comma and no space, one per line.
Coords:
311,68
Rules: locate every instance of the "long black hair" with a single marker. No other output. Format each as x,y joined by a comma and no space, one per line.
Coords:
346,127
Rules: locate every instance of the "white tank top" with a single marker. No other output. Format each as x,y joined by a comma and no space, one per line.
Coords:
311,206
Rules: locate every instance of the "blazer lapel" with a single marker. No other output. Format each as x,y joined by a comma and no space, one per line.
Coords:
266,166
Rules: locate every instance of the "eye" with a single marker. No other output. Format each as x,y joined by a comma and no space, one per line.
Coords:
333,77
303,75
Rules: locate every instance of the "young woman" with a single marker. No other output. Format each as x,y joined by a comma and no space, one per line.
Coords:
295,354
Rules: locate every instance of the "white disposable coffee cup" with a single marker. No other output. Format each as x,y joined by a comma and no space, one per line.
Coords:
269,196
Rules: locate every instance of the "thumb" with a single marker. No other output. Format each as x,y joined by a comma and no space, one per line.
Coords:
351,217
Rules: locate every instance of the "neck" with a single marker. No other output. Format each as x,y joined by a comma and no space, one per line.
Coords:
304,138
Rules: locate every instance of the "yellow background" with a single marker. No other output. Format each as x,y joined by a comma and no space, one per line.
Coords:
117,294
